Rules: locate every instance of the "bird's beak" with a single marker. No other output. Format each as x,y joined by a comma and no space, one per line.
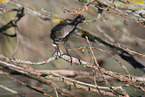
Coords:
84,21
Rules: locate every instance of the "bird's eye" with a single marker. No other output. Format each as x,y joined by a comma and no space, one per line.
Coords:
78,19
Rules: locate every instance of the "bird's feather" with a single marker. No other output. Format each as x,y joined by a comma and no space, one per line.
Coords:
61,31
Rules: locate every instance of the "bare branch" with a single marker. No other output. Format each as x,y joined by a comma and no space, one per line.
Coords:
8,89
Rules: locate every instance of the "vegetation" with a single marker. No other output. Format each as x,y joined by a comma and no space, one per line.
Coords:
106,54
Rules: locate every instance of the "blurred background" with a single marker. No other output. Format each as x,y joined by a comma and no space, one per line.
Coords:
35,43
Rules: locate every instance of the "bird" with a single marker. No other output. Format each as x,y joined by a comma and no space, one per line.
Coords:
62,31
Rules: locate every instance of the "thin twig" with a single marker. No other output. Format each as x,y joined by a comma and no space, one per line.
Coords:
34,75
117,13
17,43
8,89
107,83
135,52
125,69
122,52
13,22
29,86
79,84
56,92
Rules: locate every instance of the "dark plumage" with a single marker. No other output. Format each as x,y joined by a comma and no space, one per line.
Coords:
63,30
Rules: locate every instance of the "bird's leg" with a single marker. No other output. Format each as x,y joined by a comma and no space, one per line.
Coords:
68,52
57,51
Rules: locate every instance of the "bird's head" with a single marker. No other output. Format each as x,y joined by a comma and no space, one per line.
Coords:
79,19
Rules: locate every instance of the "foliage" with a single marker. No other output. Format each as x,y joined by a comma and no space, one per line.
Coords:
107,52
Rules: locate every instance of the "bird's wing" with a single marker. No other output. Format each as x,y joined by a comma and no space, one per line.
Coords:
56,31
67,30
61,31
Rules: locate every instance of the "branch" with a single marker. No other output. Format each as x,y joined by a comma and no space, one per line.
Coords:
118,76
115,75
34,12
29,86
8,89
123,53
40,77
29,72
13,22
78,84
134,10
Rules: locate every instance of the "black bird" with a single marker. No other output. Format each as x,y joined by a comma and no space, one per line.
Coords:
62,31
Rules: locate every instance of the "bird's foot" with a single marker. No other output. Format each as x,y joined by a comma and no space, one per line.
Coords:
57,51
70,59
